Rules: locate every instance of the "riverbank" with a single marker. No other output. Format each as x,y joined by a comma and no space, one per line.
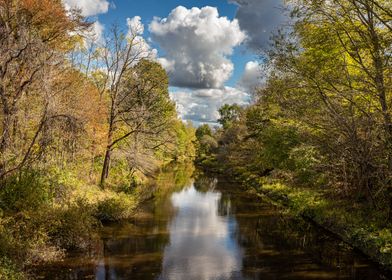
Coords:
354,224
37,227
223,231
42,228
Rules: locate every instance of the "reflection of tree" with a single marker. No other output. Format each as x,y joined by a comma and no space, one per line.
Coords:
205,183
133,250
225,205
275,244
174,177
136,254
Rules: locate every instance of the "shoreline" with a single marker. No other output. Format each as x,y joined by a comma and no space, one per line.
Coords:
310,205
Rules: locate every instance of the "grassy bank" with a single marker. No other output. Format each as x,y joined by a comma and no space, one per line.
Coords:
355,224
45,215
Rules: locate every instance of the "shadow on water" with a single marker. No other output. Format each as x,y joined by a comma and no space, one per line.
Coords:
207,228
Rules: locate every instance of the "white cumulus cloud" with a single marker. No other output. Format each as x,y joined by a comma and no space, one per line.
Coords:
95,33
197,45
88,7
260,19
251,78
201,105
141,48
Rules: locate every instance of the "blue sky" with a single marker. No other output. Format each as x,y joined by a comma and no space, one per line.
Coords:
148,9
208,47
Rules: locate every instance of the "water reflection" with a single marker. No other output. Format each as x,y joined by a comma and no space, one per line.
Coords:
210,229
202,245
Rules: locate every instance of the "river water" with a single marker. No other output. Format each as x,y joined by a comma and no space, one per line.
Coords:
210,229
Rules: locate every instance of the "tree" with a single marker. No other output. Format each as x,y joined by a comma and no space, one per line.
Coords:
362,31
34,38
229,114
202,130
111,67
146,112
183,148
136,90
205,140
331,79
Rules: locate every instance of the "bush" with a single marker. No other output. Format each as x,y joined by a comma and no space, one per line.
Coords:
24,239
71,226
305,160
115,208
26,191
9,271
42,235
130,187
43,215
277,142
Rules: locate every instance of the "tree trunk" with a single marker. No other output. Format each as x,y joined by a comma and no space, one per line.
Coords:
105,167
106,162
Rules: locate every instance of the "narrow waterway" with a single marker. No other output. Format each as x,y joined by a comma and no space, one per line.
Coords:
210,229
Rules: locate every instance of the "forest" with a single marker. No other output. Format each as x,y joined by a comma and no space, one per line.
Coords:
86,125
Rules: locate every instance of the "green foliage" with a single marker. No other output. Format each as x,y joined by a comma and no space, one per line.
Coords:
9,271
256,120
185,144
304,161
229,114
115,208
42,221
27,190
24,239
352,226
131,186
318,136
53,134
323,116
72,225
207,144
203,130
277,142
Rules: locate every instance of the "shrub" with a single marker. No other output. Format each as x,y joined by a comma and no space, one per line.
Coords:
25,191
24,240
305,160
71,226
9,271
115,208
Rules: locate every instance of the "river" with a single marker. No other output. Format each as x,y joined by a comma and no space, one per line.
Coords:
209,228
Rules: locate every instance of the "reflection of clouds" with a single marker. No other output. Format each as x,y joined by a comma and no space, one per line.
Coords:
202,244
